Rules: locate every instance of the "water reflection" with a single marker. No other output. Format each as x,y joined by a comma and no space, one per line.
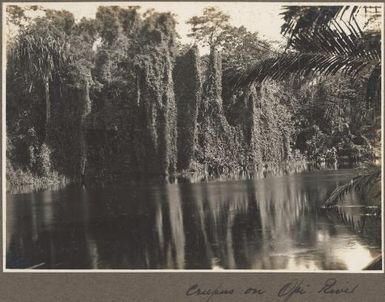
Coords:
272,223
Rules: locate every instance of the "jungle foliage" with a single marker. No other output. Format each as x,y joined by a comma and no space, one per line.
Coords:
119,96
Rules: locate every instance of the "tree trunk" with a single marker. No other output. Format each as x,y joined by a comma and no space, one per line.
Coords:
188,92
85,110
47,106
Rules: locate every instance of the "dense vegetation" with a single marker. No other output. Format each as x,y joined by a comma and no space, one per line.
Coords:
119,96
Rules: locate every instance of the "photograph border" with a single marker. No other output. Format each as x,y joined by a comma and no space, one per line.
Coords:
225,271
166,287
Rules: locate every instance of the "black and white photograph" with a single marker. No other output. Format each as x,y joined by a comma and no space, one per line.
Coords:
192,136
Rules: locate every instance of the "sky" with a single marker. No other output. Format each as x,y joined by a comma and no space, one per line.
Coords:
260,17
263,18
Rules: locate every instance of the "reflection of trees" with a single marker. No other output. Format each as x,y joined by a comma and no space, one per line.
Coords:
240,224
196,247
283,204
221,225
108,227
138,227
40,236
170,225
274,223
271,224
246,231
20,234
117,233
361,216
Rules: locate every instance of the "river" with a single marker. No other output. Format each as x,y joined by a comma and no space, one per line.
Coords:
265,224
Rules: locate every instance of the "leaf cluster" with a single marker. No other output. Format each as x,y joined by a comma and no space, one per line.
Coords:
208,28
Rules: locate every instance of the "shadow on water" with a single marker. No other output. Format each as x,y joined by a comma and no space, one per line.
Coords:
271,223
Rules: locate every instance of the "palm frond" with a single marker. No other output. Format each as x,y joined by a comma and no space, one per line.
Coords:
360,183
299,64
336,39
299,18
312,18
38,52
321,43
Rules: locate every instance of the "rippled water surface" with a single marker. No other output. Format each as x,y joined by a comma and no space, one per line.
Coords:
272,223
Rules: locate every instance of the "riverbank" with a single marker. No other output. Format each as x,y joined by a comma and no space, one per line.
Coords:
18,180
26,181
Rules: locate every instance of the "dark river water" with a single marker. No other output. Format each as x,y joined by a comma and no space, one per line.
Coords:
271,223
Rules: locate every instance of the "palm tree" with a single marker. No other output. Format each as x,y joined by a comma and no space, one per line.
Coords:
51,46
39,51
319,42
